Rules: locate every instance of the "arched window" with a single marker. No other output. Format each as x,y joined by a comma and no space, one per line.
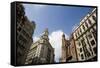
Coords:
94,18
84,27
89,21
80,30
86,24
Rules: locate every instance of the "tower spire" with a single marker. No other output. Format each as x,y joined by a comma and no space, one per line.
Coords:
46,31
45,34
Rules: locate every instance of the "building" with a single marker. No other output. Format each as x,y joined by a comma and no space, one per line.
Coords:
41,51
24,32
73,50
85,37
82,44
66,52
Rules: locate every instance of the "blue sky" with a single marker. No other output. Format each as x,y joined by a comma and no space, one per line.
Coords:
55,18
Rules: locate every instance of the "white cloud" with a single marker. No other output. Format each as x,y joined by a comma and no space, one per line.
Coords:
56,42
35,38
55,38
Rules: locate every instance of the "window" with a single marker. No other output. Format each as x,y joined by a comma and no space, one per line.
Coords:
80,30
89,44
88,54
89,21
25,34
19,29
94,18
80,49
94,33
83,27
82,57
22,24
95,50
22,40
86,24
20,49
89,36
92,42
79,44
83,42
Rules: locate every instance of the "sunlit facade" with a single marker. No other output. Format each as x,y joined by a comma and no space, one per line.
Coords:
41,51
85,37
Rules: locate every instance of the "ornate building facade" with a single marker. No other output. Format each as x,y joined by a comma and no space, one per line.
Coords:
24,32
73,49
82,45
41,51
66,55
85,37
